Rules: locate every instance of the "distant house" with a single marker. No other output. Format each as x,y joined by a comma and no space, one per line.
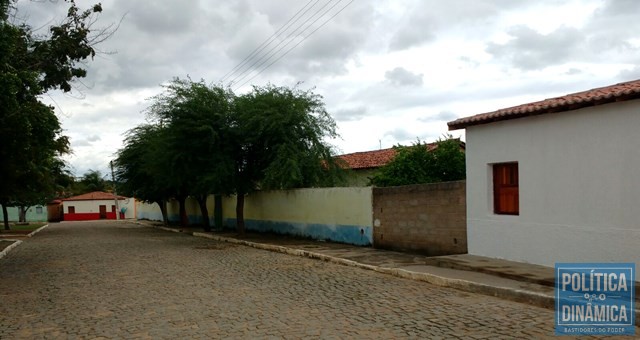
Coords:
55,211
36,213
556,180
365,164
97,205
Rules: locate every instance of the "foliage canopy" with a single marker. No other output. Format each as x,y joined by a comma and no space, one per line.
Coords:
210,141
30,65
418,164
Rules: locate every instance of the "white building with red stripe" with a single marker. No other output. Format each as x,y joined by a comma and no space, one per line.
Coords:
97,205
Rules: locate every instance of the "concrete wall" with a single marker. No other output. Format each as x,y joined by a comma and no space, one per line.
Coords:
336,214
33,214
579,190
148,211
151,211
426,218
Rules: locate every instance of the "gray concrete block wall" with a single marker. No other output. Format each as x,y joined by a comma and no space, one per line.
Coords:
424,218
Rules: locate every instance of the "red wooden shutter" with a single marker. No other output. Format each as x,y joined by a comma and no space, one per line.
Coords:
505,189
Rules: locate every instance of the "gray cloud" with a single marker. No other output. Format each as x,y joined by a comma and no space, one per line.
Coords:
80,143
88,141
573,71
606,36
400,134
611,28
408,36
350,114
324,53
386,97
163,17
399,76
630,74
441,116
427,20
530,50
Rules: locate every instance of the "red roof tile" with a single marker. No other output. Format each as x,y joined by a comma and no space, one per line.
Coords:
598,96
94,196
372,159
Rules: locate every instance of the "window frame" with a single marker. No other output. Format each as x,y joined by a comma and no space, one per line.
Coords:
71,209
506,186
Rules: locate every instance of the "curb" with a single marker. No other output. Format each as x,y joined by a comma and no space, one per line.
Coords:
37,230
532,298
17,242
6,250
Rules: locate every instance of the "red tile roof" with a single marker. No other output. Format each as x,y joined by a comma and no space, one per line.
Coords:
94,196
372,159
598,96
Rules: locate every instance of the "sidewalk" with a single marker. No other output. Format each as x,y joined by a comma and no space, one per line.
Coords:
521,282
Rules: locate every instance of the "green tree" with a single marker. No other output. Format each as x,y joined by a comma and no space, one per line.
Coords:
196,122
138,170
92,180
280,143
40,188
419,164
30,65
211,142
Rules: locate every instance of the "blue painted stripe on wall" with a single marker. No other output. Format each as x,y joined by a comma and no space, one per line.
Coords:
151,216
193,219
350,234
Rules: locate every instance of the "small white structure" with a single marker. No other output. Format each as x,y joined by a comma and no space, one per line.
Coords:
556,180
97,205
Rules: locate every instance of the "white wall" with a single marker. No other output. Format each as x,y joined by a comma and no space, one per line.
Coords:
579,186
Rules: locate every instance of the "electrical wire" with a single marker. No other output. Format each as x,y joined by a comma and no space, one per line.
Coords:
296,45
268,41
297,32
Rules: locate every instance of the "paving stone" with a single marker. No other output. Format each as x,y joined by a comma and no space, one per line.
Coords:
118,280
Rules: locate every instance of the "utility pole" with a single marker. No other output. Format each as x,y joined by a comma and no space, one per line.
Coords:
115,193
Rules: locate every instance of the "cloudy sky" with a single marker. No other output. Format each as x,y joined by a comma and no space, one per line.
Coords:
389,71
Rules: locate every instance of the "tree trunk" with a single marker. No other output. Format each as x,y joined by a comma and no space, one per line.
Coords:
22,214
5,214
202,202
217,211
184,220
240,214
163,209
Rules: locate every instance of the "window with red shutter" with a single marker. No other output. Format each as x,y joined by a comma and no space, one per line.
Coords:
505,189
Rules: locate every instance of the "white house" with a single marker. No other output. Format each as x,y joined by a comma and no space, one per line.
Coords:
97,205
556,180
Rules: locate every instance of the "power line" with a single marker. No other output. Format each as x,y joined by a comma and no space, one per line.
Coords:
267,42
262,60
296,45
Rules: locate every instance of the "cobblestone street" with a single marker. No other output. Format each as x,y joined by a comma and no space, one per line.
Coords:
119,280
